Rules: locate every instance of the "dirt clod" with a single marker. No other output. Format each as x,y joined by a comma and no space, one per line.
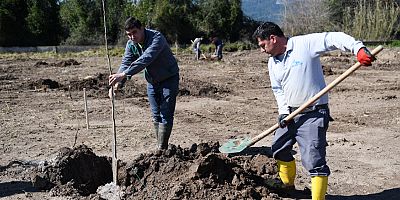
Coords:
201,88
77,168
67,63
44,83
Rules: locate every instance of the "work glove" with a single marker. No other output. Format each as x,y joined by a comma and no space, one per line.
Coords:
365,57
282,123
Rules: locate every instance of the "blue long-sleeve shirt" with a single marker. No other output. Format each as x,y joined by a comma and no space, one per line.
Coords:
296,76
154,55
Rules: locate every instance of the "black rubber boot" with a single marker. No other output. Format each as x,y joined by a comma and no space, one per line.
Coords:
156,130
164,133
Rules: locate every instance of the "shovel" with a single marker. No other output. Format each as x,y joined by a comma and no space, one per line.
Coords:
237,145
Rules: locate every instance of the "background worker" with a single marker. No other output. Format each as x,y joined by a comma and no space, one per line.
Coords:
148,50
196,47
218,47
296,76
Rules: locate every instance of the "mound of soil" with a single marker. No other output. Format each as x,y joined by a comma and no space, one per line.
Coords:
40,63
67,63
198,172
73,171
133,89
4,77
98,86
44,84
96,82
63,63
192,87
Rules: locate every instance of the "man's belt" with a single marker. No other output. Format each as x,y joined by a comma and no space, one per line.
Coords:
310,108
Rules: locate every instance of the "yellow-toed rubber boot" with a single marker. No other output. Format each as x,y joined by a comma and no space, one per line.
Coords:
287,172
319,185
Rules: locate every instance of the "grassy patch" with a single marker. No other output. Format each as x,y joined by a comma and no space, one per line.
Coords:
394,43
119,51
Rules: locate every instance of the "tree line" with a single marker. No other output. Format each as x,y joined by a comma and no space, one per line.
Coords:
80,22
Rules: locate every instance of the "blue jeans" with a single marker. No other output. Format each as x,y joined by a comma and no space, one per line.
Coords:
162,98
309,131
219,51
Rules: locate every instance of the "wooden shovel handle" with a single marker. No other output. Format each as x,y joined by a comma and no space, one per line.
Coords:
313,99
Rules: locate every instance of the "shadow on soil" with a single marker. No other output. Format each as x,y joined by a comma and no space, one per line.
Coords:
16,187
252,151
391,194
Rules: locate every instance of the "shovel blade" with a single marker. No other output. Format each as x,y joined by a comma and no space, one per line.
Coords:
235,145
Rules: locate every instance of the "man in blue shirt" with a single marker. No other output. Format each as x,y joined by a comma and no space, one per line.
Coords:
296,76
218,47
148,50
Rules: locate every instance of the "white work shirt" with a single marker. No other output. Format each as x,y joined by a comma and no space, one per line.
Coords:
296,76
196,43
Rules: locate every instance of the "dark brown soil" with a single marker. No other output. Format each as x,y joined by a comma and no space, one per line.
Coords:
79,168
198,172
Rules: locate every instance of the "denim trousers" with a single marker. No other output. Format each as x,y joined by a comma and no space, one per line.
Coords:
162,98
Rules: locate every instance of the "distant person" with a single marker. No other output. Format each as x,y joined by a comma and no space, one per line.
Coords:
196,47
148,50
296,76
218,47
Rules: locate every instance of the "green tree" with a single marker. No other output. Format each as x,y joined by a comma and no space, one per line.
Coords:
13,29
82,20
43,22
235,20
142,11
182,20
223,18
172,18
115,18
248,28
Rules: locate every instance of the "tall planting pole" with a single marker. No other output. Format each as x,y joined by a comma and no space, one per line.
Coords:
114,140
86,108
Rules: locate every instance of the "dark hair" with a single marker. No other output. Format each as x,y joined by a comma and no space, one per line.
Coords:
266,29
131,23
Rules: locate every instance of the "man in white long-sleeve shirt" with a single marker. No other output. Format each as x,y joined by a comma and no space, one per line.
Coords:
296,76
196,47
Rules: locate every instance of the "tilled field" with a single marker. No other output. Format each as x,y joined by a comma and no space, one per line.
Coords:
48,152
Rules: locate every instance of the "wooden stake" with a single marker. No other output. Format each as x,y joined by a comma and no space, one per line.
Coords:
86,108
114,140
69,92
